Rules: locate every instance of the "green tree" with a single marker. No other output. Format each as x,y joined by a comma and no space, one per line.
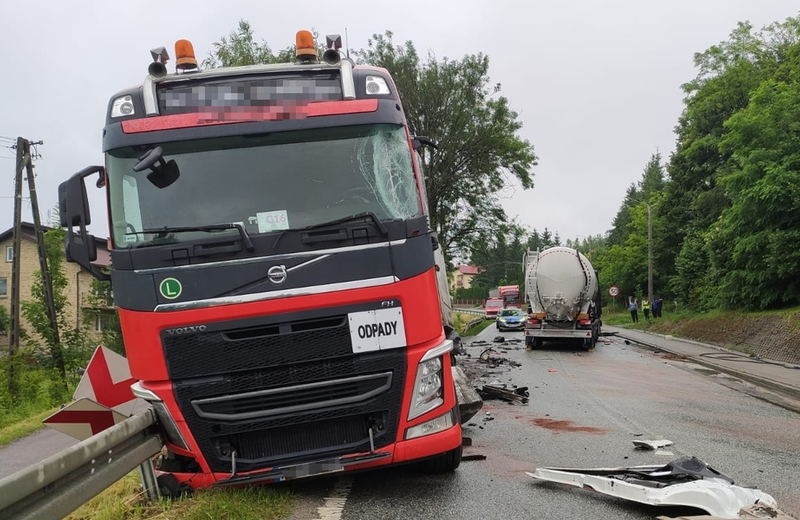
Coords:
101,301
755,240
63,360
695,199
454,103
240,48
623,259
5,320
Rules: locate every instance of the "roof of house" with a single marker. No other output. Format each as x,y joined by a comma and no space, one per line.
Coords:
29,233
469,269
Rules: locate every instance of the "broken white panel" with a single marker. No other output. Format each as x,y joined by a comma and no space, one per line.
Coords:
716,497
652,445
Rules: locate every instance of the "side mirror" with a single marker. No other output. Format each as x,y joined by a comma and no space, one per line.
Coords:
79,247
73,204
73,209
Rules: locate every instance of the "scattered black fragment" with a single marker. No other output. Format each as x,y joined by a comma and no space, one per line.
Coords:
473,457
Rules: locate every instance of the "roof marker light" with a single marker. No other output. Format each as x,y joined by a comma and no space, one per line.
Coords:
306,49
376,85
184,54
122,106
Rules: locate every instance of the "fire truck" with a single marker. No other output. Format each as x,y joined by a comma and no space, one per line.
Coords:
274,268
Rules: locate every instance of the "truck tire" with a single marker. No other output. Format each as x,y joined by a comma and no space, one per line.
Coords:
444,463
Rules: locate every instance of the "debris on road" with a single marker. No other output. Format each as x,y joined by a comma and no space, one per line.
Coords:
652,445
466,441
754,511
473,457
687,481
469,401
494,362
552,370
501,392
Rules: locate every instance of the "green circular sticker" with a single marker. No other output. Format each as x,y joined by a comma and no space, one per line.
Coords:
170,288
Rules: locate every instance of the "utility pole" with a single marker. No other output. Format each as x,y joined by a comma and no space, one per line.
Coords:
25,163
649,253
13,335
47,282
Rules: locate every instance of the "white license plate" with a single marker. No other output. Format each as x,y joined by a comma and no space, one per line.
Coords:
380,329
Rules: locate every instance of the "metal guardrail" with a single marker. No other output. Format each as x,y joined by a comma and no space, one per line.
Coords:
472,323
478,312
60,484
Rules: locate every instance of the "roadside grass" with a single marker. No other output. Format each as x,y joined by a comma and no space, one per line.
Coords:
124,501
462,320
40,392
25,426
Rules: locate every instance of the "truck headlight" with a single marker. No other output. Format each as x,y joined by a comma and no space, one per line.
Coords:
427,388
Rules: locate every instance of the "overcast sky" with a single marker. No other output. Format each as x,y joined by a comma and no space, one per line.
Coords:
596,83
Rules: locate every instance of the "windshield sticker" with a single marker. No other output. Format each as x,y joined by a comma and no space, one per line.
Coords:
385,163
272,221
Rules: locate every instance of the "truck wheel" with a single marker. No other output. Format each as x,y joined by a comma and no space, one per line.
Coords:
588,344
444,463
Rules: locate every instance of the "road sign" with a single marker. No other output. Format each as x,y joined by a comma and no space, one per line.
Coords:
83,418
108,381
613,291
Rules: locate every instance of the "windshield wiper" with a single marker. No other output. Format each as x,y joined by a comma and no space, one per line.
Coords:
356,216
248,244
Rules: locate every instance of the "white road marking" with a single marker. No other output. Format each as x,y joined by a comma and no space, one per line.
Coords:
334,504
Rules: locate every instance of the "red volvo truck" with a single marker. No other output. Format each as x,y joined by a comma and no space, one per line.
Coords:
274,268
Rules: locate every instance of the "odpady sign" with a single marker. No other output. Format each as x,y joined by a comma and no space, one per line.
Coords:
379,329
386,328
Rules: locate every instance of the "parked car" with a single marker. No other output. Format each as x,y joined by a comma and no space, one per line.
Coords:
510,319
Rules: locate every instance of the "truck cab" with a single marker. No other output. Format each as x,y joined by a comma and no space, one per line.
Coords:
274,268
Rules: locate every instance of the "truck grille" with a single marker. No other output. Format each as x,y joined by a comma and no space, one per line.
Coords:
254,346
294,391
292,399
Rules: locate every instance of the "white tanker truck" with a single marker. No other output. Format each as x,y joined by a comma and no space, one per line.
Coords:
564,301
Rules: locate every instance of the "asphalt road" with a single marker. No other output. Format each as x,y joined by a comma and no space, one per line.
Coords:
585,410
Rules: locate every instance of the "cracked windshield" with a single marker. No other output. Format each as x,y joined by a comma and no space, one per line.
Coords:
266,183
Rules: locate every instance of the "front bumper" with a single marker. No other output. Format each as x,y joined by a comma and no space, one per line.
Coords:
558,334
399,452
511,326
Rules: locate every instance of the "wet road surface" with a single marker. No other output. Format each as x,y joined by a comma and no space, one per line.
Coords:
585,410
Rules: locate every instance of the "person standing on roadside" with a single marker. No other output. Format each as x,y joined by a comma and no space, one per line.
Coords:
634,310
657,308
646,309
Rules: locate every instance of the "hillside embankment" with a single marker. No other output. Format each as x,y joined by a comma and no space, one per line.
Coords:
770,335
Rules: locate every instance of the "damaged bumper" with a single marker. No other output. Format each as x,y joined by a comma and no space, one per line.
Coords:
684,482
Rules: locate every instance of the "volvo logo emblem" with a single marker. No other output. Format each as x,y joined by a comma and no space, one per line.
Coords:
277,274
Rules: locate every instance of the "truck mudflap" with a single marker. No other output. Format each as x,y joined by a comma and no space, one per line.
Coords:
308,469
